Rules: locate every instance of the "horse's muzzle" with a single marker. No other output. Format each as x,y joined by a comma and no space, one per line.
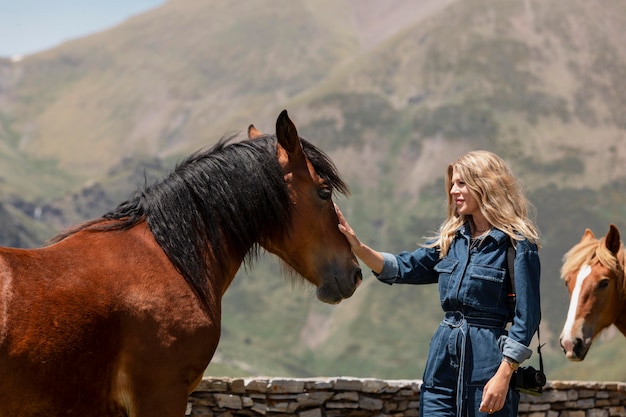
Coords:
575,349
338,289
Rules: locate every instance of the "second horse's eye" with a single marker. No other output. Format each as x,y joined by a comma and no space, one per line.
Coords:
325,193
603,283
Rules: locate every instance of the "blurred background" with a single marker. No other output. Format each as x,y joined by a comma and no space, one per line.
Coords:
393,91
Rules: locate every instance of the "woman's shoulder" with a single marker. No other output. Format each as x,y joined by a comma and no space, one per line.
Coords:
517,240
523,244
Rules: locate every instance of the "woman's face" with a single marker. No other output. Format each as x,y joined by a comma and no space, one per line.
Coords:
466,204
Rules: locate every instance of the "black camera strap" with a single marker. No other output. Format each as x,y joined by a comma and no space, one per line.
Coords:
510,257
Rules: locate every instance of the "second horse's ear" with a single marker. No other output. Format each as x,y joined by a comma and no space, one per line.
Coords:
287,134
612,240
253,132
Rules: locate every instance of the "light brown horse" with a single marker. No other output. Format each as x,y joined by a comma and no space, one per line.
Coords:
120,316
593,271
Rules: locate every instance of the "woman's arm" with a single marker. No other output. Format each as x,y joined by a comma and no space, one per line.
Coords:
525,324
527,305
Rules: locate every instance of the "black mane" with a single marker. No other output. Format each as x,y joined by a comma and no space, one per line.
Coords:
217,203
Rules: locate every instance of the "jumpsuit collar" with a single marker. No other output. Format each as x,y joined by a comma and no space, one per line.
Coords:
465,231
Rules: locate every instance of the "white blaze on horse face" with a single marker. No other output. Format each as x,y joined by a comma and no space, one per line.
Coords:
568,328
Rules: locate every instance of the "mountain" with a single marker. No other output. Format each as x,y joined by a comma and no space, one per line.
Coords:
392,91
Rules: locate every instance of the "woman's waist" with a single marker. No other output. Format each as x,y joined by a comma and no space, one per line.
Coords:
474,318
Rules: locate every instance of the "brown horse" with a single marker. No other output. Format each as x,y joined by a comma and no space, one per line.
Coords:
593,271
120,316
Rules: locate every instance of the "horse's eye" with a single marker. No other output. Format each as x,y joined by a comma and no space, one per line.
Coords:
325,193
603,283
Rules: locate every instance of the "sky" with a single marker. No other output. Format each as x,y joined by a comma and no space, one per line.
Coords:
29,26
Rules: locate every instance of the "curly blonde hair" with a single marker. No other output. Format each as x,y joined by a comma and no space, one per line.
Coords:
499,196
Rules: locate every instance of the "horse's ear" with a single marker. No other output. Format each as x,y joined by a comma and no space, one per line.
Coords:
287,134
612,239
253,132
588,235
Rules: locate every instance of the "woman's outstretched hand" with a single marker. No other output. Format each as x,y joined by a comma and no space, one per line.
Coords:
347,231
370,257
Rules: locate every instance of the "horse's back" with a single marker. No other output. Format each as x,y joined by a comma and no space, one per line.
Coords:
52,320
100,306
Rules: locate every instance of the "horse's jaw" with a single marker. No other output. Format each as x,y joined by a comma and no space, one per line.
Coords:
620,321
333,283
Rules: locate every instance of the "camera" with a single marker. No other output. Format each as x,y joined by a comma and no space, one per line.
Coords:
528,380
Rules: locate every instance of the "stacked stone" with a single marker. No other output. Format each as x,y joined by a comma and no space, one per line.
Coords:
317,397
576,399
353,397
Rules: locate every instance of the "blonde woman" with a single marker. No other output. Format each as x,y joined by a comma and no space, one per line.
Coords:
472,356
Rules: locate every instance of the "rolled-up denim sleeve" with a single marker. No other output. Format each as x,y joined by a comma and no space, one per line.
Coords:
389,274
514,350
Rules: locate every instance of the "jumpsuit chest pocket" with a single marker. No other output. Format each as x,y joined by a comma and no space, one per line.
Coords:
445,268
483,287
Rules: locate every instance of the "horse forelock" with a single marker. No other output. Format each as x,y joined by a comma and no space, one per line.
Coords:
590,251
324,167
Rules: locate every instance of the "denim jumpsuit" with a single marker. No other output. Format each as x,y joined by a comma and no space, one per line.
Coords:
467,348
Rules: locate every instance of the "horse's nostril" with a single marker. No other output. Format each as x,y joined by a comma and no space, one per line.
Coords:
578,345
358,277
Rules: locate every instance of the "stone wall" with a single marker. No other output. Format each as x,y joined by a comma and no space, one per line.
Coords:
354,397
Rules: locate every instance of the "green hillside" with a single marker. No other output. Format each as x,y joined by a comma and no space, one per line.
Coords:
392,91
